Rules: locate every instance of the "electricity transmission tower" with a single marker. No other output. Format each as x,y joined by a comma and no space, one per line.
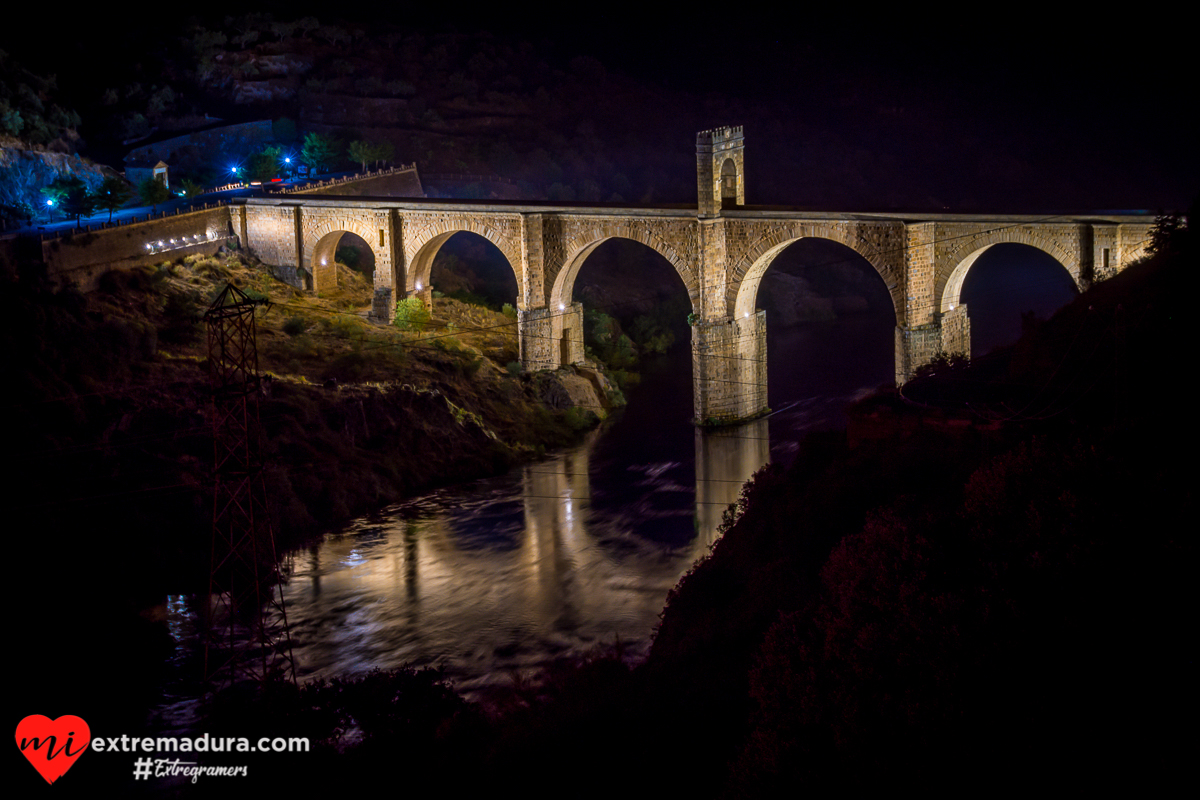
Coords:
247,633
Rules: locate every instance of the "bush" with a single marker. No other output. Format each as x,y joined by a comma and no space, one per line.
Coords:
581,419
294,326
411,314
514,368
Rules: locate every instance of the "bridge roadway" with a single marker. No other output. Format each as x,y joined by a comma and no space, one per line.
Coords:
720,250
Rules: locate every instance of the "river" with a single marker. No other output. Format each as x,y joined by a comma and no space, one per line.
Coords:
498,577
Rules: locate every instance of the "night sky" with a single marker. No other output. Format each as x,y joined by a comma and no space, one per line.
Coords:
1037,112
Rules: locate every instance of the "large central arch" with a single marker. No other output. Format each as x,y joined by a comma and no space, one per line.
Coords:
748,274
750,343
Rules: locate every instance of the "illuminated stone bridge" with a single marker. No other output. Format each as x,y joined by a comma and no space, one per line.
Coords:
721,249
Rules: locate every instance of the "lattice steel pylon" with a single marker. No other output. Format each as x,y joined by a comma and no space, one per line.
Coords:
247,633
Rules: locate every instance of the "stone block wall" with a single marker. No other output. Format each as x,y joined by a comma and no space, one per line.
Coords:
537,339
274,234
83,257
920,301
729,369
571,336
956,332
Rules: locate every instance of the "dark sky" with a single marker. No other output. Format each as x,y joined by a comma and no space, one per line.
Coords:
1100,97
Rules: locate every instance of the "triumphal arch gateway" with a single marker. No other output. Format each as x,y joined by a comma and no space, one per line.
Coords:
720,249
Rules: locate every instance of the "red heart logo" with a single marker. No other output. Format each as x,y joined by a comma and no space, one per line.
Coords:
52,745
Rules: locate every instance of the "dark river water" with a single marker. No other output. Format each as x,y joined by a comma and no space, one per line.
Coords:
500,576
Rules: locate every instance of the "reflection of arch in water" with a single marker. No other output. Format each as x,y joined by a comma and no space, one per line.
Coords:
557,497
725,460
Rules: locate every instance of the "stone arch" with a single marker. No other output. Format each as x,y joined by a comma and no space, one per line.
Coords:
581,245
743,286
948,288
321,244
566,316
421,251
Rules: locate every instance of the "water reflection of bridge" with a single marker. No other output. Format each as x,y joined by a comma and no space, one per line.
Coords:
506,576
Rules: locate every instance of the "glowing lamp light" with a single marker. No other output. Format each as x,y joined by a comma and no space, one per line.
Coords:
50,202
747,315
562,307
418,286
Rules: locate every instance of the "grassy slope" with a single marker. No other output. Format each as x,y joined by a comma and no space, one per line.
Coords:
110,431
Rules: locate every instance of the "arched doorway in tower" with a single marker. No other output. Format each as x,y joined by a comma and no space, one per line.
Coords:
1008,287
830,334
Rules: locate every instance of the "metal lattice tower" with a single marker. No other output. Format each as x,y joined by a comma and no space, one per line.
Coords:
247,628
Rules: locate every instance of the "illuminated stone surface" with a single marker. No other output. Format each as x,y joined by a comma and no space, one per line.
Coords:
720,250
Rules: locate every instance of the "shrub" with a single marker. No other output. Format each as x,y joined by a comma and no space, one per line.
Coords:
581,419
256,296
411,314
294,326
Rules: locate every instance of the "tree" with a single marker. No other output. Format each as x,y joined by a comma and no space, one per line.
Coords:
384,151
112,194
153,191
264,165
190,188
1168,234
69,194
362,152
320,152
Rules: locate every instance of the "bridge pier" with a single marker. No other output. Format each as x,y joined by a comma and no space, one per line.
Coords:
551,338
918,345
729,369
383,306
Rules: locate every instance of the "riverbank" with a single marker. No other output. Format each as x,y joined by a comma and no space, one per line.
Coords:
110,424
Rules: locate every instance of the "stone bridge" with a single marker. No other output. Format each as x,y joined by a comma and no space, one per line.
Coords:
720,250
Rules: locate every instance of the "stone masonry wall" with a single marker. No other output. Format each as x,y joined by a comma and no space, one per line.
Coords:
83,257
